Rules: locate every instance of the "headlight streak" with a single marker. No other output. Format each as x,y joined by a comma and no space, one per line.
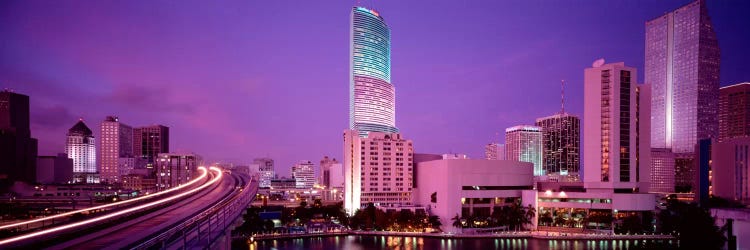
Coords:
203,174
107,216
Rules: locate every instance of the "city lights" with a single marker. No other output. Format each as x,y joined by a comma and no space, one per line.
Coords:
218,177
202,176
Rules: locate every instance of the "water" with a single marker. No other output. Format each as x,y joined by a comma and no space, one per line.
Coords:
403,243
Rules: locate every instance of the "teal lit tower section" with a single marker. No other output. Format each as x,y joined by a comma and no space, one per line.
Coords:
372,97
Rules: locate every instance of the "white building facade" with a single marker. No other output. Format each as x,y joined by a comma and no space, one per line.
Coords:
304,174
616,120
378,169
662,171
265,170
81,147
470,187
524,143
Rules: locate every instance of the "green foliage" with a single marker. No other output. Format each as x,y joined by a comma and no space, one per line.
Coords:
514,216
296,216
457,222
371,218
546,219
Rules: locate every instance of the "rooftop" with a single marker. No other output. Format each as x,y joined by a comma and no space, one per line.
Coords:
80,128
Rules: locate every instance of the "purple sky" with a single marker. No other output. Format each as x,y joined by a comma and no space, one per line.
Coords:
246,79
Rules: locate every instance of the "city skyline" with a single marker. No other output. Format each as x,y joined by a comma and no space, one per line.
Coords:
485,86
197,125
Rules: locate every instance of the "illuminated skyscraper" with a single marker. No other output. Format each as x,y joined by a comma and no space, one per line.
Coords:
616,112
116,151
682,65
524,143
372,97
149,142
80,147
561,140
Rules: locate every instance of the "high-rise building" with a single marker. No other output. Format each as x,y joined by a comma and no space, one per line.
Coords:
173,169
304,174
729,173
734,111
682,66
662,170
116,151
377,169
524,143
54,169
331,172
81,147
266,171
616,115
149,142
561,144
494,151
332,178
18,151
372,96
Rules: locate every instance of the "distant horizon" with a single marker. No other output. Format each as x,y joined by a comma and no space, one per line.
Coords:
242,80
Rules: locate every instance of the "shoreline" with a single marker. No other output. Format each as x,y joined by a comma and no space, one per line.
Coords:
511,235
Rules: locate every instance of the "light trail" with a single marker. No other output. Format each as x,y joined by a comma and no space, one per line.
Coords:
203,174
107,216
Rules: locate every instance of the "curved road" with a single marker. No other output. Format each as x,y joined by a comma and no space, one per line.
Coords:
132,231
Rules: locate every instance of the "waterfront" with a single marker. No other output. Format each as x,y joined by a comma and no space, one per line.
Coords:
363,242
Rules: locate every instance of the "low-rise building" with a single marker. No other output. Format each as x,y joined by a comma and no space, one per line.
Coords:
469,187
174,169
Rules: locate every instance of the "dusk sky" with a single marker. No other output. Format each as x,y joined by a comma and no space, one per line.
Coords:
246,79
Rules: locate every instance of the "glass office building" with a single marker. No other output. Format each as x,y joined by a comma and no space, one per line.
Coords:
682,65
372,97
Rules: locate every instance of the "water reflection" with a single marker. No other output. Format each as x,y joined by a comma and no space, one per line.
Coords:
422,243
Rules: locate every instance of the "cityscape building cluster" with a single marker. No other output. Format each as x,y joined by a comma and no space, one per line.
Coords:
127,157
678,132
643,142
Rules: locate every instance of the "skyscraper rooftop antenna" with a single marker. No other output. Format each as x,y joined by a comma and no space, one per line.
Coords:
562,97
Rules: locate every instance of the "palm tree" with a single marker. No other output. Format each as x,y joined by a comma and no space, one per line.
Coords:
435,222
457,223
529,214
559,219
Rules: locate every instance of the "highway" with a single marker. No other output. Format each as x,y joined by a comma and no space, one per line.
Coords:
112,206
124,225
144,227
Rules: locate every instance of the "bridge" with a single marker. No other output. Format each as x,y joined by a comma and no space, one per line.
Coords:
197,215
